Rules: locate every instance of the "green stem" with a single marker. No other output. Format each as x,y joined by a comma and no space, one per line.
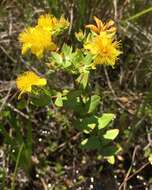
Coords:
3,180
139,14
16,166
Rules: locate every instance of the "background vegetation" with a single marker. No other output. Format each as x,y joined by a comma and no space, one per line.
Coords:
38,150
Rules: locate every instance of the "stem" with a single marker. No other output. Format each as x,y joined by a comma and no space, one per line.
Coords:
139,14
16,166
3,180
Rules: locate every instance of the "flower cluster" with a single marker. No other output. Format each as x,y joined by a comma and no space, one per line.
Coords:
36,39
102,44
99,47
52,24
28,79
40,38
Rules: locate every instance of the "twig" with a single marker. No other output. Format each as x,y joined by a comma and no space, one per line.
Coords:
44,184
129,171
134,129
137,171
10,57
5,99
127,178
114,94
21,113
124,183
71,18
122,8
134,72
149,139
115,9
18,111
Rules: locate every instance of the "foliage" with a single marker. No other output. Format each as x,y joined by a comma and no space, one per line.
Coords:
77,63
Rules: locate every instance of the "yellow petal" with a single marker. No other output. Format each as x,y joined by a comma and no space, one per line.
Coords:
28,89
92,27
112,30
98,22
52,46
38,53
41,82
25,48
28,79
110,23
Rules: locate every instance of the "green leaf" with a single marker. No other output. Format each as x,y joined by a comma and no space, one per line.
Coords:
67,50
110,150
22,104
150,158
73,102
92,104
110,159
59,101
7,138
6,114
111,134
88,59
67,63
105,119
56,57
83,79
87,124
41,100
91,143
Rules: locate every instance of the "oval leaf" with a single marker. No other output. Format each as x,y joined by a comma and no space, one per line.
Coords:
93,103
110,159
59,101
91,143
111,134
105,119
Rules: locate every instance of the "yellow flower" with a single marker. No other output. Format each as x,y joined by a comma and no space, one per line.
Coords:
104,48
80,36
51,23
36,39
63,23
101,27
28,79
47,22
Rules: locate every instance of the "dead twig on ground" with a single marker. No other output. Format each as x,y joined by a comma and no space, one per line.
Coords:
128,176
114,94
5,99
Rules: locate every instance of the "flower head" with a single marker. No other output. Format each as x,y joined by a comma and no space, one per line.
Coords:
37,39
28,79
104,48
47,22
52,24
63,23
80,36
101,27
